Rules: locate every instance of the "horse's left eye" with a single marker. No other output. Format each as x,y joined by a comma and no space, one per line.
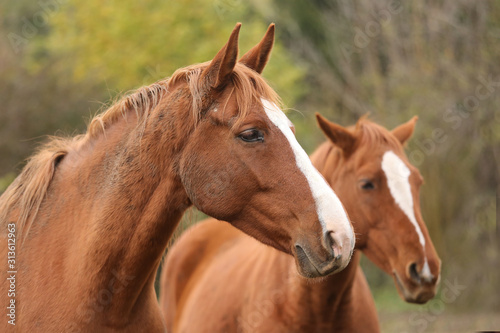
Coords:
367,185
251,135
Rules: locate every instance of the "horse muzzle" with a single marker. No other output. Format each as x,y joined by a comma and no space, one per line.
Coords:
334,255
415,289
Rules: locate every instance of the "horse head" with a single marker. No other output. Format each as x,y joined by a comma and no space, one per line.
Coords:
380,190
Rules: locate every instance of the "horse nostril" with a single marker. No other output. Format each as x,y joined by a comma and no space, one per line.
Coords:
331,245
413,272
301,254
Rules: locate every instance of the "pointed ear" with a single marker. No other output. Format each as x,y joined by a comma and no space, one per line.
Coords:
220,68
258,55
404,131
338,135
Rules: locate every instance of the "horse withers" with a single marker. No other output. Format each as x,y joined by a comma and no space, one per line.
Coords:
91,215
239,285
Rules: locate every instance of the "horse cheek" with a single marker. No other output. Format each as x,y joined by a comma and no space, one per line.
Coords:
211,185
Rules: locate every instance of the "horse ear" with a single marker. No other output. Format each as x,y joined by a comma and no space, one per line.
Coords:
404,131
338,135
256,58
220,68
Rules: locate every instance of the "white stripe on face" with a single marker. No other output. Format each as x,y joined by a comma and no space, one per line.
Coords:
331,213
397,174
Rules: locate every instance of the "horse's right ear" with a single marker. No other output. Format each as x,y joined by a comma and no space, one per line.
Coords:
338,135
256,58
404,131
220,68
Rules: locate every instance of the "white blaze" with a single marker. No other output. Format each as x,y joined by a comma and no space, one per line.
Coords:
397,174
331,213
426,271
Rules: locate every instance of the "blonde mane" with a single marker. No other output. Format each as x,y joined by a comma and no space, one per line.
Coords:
142,101
22,200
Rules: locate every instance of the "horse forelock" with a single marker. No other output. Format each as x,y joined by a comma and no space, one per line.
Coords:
249,87
370,134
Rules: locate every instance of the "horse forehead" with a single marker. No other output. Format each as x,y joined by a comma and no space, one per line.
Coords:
393,165
257,117
367,160
398,174
275,115
227,109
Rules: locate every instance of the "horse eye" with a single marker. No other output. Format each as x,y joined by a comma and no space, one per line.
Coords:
367,185
251,135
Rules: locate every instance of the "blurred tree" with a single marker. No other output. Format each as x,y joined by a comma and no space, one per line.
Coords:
128,43
34,104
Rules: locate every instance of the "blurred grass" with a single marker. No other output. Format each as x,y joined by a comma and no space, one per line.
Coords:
444,322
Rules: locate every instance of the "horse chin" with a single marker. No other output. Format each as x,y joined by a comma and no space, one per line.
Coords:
307,268
418,295
304,265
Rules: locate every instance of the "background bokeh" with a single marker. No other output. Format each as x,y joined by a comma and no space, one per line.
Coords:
61,61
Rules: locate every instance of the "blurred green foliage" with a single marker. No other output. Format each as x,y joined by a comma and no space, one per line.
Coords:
5,180
392,59
129,44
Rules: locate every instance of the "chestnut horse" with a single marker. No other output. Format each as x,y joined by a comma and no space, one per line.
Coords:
92,215
237,284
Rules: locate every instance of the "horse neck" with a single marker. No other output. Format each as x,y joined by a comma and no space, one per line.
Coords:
327,299
126,202
324,298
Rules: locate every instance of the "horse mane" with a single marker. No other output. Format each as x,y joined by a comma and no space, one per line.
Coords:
25,195
142,101
28,190
23,198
